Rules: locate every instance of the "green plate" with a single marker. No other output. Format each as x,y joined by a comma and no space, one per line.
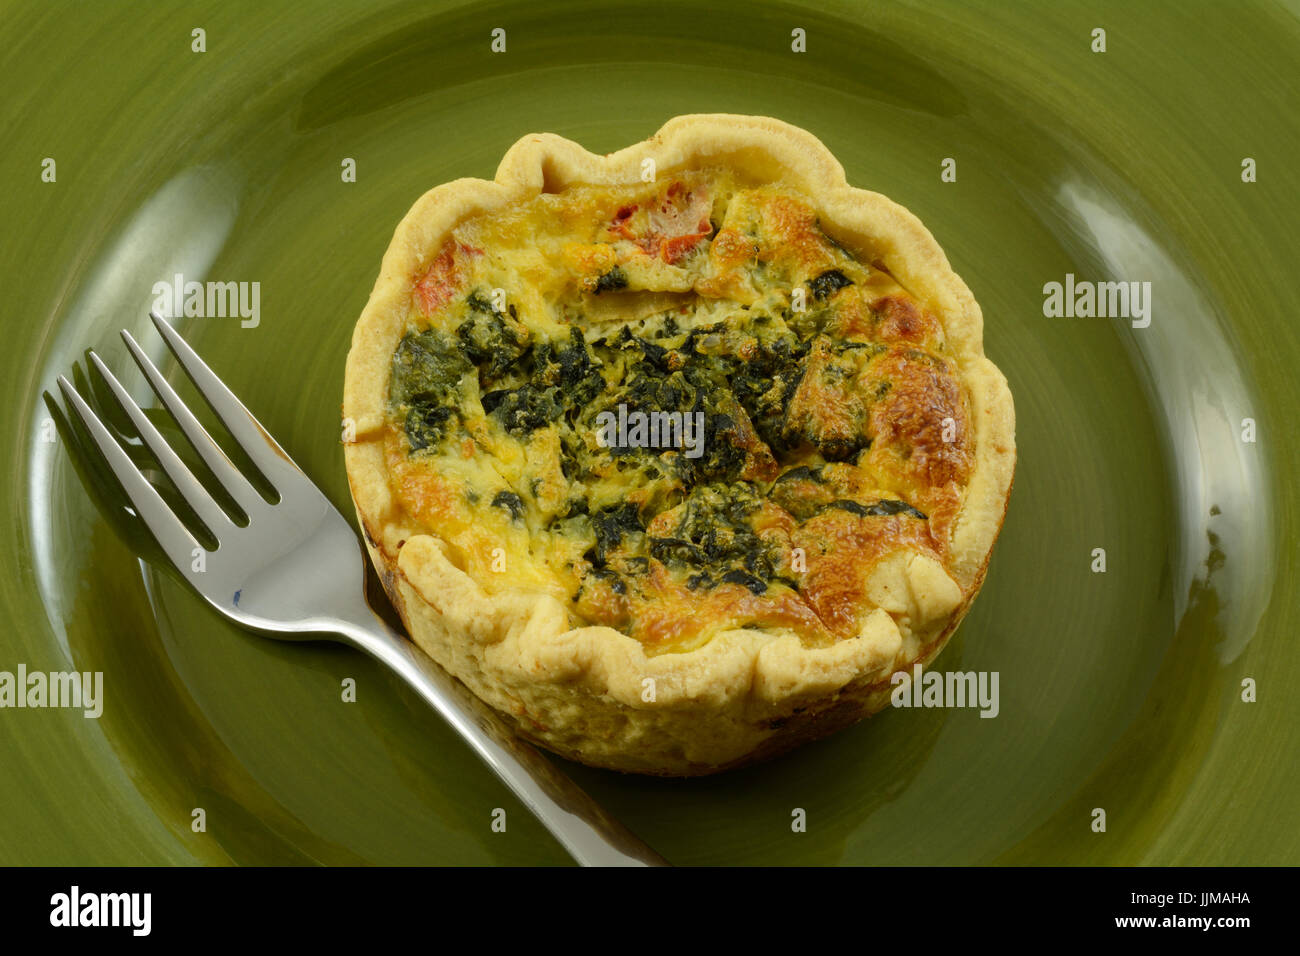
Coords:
1120,690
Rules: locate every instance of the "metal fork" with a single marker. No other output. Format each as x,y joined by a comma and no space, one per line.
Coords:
296,571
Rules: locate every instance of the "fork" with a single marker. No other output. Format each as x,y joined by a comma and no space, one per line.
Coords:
296,571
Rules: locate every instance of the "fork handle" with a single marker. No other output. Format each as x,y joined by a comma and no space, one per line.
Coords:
586,831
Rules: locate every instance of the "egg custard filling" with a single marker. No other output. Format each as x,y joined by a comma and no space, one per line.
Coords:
679,408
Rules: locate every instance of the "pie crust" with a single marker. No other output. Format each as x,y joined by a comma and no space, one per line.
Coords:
593,693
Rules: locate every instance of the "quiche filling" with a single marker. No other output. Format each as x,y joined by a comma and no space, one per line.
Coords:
679,407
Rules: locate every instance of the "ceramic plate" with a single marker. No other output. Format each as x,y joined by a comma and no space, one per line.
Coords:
1159,689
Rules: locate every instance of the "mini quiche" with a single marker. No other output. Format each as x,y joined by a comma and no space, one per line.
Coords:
676,455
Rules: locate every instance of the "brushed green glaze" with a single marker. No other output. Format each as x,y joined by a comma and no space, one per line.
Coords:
1118,690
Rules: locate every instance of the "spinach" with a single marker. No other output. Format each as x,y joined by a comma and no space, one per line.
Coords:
511,502
574,507
524,409
721,460
766,383
616,583
426,372
893,507
841,449
491,337
612,280
427,368
427,425
802,473
884,508
655,355
676,550
714,534
755,585
611,525
695,389
828,283
570,366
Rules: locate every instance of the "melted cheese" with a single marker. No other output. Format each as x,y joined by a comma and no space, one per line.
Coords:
835,433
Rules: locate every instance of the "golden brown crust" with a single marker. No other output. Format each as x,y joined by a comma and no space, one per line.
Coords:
592,693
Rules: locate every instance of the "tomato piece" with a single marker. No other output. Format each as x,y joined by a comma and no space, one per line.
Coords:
441,280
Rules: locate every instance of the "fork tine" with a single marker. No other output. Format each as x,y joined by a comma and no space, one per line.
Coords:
231,478
255,440
195,495
162,522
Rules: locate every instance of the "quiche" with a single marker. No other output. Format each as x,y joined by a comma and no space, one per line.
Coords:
675,456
